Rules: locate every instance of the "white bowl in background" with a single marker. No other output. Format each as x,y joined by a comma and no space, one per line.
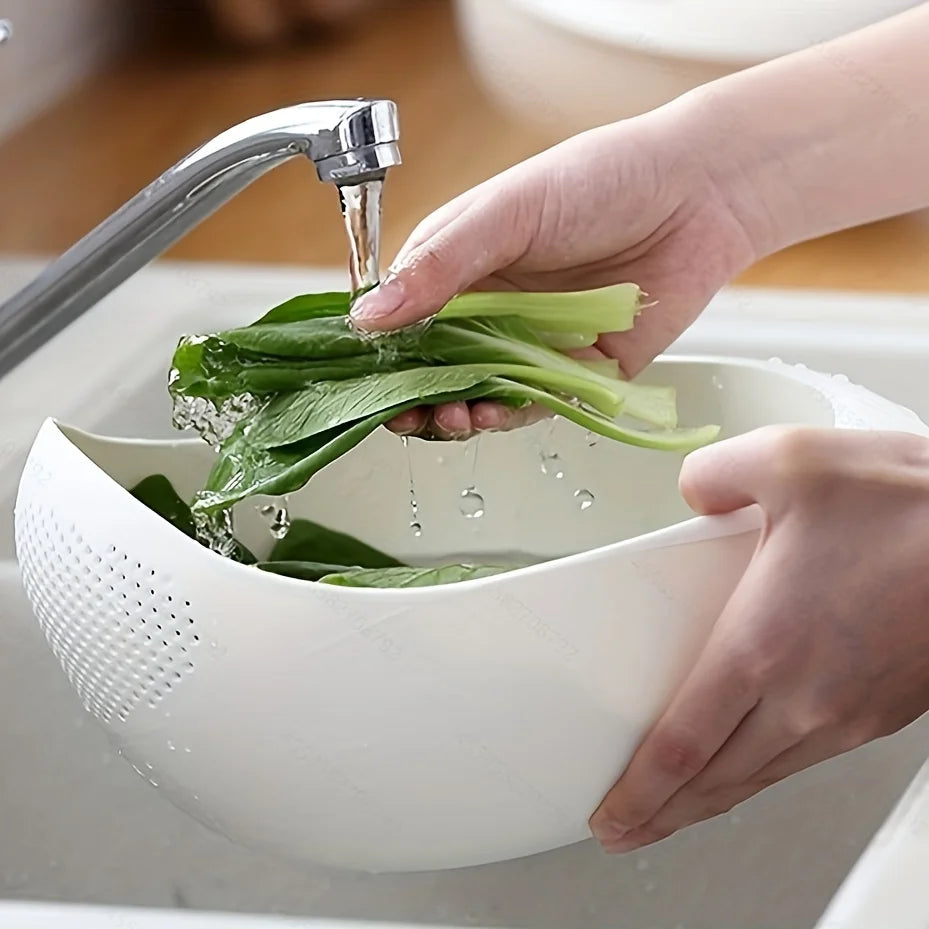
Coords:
574,65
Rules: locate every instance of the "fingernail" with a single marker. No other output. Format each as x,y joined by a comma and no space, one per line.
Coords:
609,833
621,847
383,301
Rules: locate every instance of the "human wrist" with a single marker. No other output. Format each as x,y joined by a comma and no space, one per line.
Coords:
824,139
745,168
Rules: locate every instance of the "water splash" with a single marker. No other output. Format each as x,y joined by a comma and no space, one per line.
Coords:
214,424
214,530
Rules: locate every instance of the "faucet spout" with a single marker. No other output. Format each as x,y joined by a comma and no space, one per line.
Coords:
349,141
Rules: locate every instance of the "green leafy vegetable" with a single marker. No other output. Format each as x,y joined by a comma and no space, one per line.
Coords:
303,570
308,541
323,387
411,577
608,309
158,494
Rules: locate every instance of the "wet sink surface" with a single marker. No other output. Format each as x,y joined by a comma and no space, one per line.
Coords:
79,825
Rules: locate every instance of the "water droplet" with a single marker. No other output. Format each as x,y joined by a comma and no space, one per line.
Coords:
717,382
551,465
650,887
735,819
585,499
591,439
642,864
171,746
841,378
415,525
187,750
775,361
153,782
472,504
277,516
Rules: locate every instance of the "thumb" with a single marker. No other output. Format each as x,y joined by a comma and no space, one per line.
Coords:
487,234
727,476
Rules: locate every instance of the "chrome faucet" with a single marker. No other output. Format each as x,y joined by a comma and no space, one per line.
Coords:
349,141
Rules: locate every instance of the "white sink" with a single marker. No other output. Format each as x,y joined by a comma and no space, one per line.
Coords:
79,826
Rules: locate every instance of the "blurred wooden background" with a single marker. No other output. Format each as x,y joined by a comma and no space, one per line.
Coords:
76,163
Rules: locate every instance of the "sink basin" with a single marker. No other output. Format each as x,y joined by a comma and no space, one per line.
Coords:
80,826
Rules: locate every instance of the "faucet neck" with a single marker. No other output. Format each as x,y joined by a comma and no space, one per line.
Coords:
348,140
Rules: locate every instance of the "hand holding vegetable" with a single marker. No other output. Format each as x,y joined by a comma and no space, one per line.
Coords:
629,202
682,199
